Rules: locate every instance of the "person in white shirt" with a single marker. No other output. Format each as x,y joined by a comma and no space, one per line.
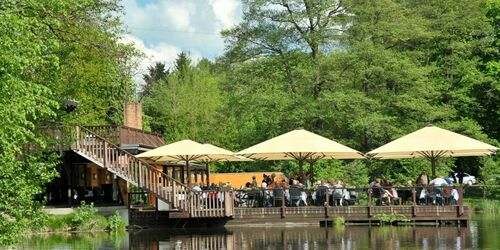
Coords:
197,187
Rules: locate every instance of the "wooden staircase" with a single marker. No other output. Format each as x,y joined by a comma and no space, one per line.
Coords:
139,173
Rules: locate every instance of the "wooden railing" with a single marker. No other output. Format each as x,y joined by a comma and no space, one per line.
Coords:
110,132
130,135
119,135
139,173
211,204
128,167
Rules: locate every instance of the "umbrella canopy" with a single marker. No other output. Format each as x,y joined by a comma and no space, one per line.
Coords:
431,143
300,144
228,155
186,151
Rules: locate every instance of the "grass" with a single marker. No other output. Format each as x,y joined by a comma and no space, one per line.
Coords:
486,206
84,219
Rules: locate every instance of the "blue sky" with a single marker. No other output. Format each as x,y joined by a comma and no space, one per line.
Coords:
164,28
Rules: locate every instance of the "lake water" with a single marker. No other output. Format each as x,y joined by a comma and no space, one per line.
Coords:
483,232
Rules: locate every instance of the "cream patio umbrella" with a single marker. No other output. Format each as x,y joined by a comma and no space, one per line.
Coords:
186,151
300,145
432,143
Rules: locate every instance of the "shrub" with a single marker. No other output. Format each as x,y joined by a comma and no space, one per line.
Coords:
84,213
86,218
390,218
59,223
115,222
338,221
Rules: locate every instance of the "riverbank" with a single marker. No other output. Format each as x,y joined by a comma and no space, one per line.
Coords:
487,206
481,233
84,219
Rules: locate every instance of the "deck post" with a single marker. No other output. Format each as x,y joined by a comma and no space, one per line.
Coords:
77,130
460,200
228,204
283,209
327,203
203,178
174,195
369,203
105,154
414,201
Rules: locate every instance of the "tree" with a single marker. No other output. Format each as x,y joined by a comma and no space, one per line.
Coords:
185,105
280,27
25,102
156,74
51,51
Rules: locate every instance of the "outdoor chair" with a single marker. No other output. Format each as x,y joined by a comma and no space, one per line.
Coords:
240,199
405,196
437,196
278,196
321,196
448,198
353,198
337,197
378,195
265,198
295,196
253,198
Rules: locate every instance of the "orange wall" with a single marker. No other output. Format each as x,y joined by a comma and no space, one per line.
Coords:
238,180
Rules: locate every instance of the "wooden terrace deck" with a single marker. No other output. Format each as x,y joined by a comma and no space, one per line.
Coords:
352,214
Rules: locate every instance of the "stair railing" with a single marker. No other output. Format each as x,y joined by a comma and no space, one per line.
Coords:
131,168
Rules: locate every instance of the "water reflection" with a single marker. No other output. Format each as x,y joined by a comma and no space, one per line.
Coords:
356,237
481,233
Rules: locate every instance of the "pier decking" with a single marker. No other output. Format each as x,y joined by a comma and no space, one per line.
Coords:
353,214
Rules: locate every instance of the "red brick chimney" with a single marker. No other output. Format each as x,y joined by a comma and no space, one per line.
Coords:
133,115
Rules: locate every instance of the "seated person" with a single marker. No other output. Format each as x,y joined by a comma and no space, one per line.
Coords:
197,187
254,182
378,190
423,196
454,196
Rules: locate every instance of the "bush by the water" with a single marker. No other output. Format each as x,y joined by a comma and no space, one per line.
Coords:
388,219
487,206
115,222
85,218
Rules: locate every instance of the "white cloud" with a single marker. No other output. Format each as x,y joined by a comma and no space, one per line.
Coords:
160,52
161,29
162,13
179,16
225,11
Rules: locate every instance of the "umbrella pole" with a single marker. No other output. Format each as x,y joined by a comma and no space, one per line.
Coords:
311,172
208,174
433,165
301,167
188,174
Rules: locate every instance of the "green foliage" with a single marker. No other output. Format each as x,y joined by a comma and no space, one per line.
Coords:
60,223
51,51
389,219
84,213
338,221
115,222
172,103
396,67
487,206
354,174
86,219
73,241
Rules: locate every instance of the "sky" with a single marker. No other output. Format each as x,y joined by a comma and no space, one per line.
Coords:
161,29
